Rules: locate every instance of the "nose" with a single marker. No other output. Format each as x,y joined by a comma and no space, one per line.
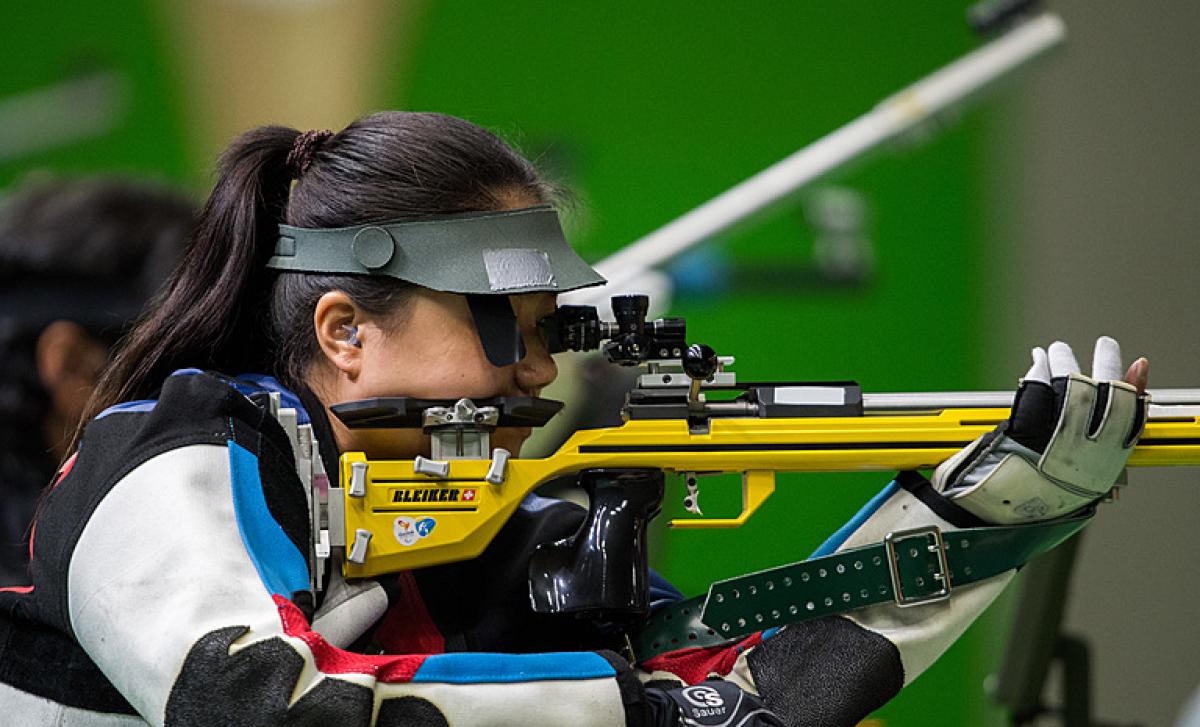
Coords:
537,369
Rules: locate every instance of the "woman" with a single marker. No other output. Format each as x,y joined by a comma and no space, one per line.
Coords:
172,584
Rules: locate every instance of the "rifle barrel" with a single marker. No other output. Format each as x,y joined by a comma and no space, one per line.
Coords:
1164,402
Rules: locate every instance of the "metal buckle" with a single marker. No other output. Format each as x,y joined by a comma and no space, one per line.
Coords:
894,541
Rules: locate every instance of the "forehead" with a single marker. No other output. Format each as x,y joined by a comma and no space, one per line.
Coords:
458,302
534,301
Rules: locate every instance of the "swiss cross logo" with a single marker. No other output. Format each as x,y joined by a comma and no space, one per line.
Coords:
468,496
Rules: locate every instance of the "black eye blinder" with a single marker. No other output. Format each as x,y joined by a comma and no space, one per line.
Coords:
498,329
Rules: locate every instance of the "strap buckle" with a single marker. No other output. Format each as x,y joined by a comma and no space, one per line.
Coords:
918,566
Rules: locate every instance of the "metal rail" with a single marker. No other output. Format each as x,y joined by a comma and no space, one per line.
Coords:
1164,402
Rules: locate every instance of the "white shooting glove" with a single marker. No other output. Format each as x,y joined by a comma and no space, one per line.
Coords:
1062,448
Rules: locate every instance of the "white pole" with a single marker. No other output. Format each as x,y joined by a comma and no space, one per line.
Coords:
892,117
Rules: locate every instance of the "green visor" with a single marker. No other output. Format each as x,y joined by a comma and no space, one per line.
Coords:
478,253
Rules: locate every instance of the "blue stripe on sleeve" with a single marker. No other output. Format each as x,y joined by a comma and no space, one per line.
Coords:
662,592
129,406
833,542
537,503
280,565
477,668
142,405
248,384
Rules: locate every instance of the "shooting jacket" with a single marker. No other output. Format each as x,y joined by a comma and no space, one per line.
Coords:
171,587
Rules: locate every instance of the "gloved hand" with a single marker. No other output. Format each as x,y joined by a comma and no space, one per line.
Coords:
710,703
1064,445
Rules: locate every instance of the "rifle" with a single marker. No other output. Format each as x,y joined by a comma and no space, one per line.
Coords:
687,415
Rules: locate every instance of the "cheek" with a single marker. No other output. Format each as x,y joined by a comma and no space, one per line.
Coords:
429,366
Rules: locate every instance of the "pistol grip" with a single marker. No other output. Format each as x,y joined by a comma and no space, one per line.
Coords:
601,570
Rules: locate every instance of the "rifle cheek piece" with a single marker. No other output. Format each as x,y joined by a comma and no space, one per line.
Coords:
601,571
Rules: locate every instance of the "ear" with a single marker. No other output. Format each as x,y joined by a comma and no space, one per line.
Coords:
69,361
333,320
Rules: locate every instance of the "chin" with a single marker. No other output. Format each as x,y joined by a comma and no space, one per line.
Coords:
511,438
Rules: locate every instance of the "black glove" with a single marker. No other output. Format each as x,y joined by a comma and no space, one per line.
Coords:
710,704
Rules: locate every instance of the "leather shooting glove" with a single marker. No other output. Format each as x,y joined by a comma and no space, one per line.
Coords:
1063,447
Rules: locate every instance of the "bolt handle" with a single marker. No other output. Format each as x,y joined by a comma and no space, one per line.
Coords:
699,362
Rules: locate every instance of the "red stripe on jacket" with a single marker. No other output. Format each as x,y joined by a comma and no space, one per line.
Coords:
332,660
696,665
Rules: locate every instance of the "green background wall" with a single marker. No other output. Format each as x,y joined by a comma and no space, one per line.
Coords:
647,110
47,44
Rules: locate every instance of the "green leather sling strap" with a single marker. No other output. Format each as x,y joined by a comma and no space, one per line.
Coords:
909,568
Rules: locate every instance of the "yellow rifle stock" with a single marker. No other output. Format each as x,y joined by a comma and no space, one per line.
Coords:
404,519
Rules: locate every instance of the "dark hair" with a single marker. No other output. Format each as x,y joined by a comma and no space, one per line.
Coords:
225,311
108,229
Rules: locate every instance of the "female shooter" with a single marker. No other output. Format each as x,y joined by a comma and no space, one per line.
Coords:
171,581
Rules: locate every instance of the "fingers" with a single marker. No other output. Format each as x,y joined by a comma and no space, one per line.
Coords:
1106,360
1106,365
1040,370
1138,374
1062,360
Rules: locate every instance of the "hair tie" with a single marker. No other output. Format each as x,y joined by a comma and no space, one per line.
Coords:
303,149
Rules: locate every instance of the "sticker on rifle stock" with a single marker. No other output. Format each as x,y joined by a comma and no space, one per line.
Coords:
444,497
409,530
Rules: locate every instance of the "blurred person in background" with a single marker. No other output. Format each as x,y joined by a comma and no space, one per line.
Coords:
79,258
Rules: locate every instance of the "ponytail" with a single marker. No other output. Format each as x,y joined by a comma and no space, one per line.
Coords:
213,296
